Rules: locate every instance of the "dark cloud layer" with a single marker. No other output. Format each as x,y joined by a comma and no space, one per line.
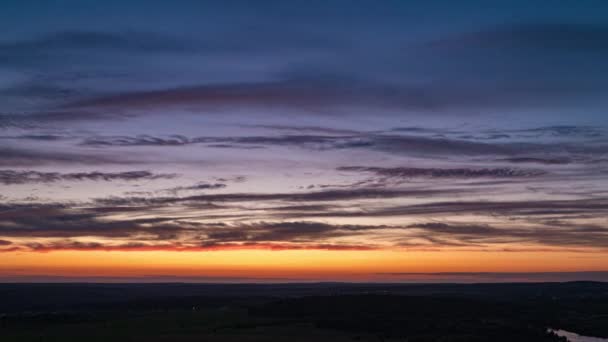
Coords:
421,146
53,118
199,186
538,160
171,233
142,247
410,172
11,157
549,235
318,196
299,231
304,94
570,208
9,177
72,222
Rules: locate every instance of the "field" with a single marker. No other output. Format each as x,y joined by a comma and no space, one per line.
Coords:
315,312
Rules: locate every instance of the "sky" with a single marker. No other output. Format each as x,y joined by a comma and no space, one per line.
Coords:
278,141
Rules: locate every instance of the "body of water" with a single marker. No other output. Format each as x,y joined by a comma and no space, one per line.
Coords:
572,337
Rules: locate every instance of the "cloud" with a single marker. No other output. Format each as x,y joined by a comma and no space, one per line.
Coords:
199,186
537,160
143,247
529,208
53,118
422,146
12,157
320,142
304,208
463,229
69,224
556,37
290,94
11,177
18,157
554,132
410,172
75,40
551,235
532,211
62,222
532,224
298,231
317,196
182,236
307,129
142,140
560,131
315,94
411,145
37,137
5,243
58,221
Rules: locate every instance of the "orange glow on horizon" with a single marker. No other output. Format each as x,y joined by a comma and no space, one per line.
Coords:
292,264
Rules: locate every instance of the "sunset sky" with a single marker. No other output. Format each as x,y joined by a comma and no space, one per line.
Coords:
271,141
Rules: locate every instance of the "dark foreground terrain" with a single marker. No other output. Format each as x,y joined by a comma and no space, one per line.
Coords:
301,312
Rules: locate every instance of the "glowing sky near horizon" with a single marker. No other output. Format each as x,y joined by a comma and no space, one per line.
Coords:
302,140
